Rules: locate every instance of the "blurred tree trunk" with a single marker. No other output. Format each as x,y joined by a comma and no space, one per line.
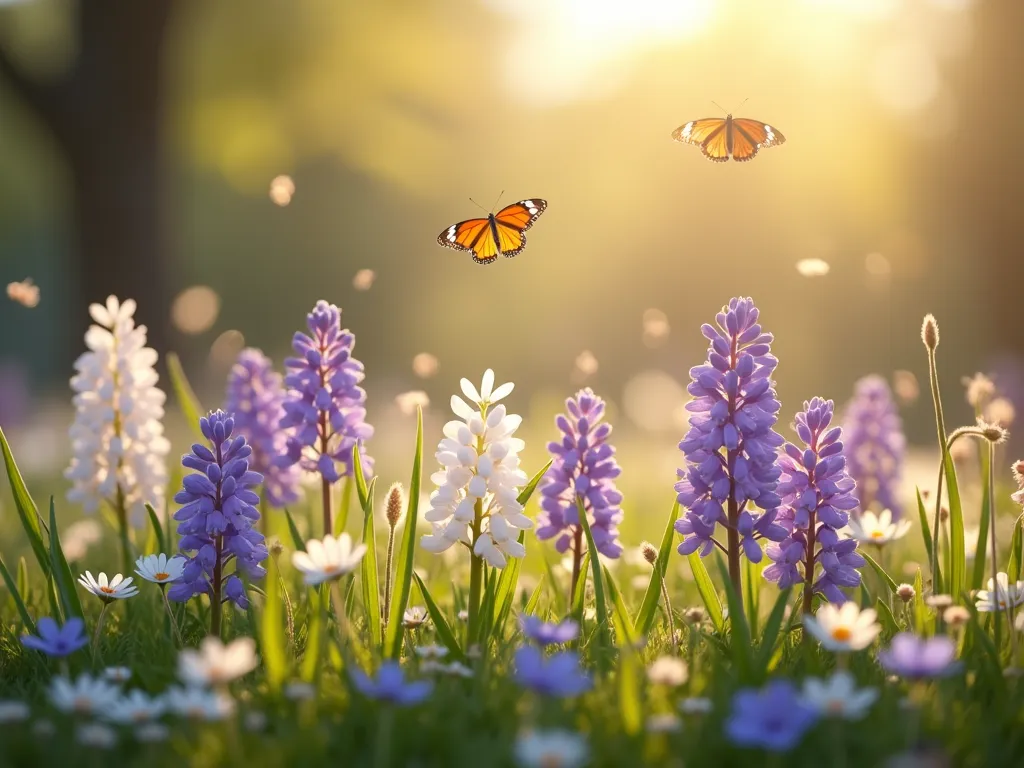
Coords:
106,114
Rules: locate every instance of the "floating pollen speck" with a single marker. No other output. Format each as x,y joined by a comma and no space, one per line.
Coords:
656,327
363,279
25,293
586,363
408,402
424,365
281,190
813,267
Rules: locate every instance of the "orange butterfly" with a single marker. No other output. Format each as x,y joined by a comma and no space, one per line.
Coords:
500,232
721,138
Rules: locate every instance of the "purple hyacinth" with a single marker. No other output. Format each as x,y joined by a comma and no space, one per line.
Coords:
255,397
217,516
583,463
325,404
390,685
920,658
558,675
773,718
542,633
730,448
875,445
57,641
817,495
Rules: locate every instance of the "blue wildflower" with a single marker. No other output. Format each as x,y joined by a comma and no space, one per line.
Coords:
57,641
773,718
390,685
559,675
543,633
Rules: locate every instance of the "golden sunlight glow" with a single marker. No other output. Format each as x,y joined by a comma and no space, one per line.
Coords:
195,309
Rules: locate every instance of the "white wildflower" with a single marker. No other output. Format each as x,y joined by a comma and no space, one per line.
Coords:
117,588
160,569
215,663
14,711
328,559
199,704
134,707
846,628
85,696
543,749
1001,595
78,537
838,696
878,529
96,735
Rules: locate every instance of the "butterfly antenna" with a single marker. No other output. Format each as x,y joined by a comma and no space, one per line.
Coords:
497,201
474,202
742,103
719,106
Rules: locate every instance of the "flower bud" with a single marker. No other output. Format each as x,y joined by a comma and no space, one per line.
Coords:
395,504
649,552
956,616
905,592
930,332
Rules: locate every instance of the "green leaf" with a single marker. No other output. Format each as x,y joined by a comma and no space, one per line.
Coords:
560,605
483,628
316,607
750,598
187,400
505,591
23,585
16,597
708,595
579,596
27,510
981,550
739,641
369,576
441,625
630,706
601,607
885,617
623,624
62,573
926,533
771,630
885,577
406,553
297,542
534,601
652,597
154,521
920,611
1013,565
275,658
530,487
341,519
957,553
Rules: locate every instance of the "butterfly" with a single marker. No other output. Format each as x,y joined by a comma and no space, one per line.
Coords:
501,232
721,138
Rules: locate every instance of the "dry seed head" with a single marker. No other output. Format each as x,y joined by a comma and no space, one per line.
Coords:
274,546
980,390
395,504
694,615
956,616
649,552
905,592
930,332
993,432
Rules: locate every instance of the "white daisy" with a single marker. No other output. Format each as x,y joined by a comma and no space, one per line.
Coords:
838,696
85,696
1001,595
215,663
14,711
117,674
328,559
117,588
696,705
455,669
135,707
199,704
846,628
877,529
299,691
551,749
151,733
668,671
663,723
77,539
160,569
414,617
96,735
435,652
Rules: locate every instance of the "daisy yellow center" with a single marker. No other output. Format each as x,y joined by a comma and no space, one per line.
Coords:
161,576
332,568
82,705
835,707
550,760
842,634
878,534
196,712
140,716
107,590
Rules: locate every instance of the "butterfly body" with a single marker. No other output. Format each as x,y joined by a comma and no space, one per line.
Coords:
720,139
499,233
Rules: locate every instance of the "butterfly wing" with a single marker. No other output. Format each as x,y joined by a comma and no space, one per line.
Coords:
749,136
513,220
473,235
709,134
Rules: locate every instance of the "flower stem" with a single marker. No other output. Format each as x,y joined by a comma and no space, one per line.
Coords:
940,425
735,574
96,634
382,752
340,615
809,563
476,574
388,583
326,485
215,598
577,561
170,615
122,524
668,610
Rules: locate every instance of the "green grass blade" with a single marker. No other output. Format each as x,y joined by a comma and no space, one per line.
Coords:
62,573
981,550
1013,565
406,553
920,611
297,542
560,606
739,640
579,596
316,607
630,706
600,604
750,597
957,548
771,630
187,400
706,589
16,597
27,509
652,597
483,629
926,533
154,521
505,591
272,639
891,585
530,487
441,625
369,576
624,631
534,601
885,617
22,579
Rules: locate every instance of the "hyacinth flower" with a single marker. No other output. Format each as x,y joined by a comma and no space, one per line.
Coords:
255,397
730,448
216,519
817,496
875,445
325,406
477,498
117,438
583,467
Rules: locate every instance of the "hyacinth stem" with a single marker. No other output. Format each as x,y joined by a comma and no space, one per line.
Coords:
96,633
170,615
476,572
809,564
122,524
577,561
215,598
388,579
326,486
735,573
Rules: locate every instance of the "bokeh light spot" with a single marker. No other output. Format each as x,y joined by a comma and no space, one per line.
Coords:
195,309
424,365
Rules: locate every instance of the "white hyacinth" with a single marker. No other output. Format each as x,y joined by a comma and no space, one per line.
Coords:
117,437
480,467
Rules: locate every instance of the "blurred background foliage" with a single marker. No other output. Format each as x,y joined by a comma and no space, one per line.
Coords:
266,151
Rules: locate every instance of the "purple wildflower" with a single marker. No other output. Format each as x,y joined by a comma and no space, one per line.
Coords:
57,641
773,718
255,398
390,685
583,464
731,445
919,658
217,517
817,494
558,675
875,445
325,403
543,633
